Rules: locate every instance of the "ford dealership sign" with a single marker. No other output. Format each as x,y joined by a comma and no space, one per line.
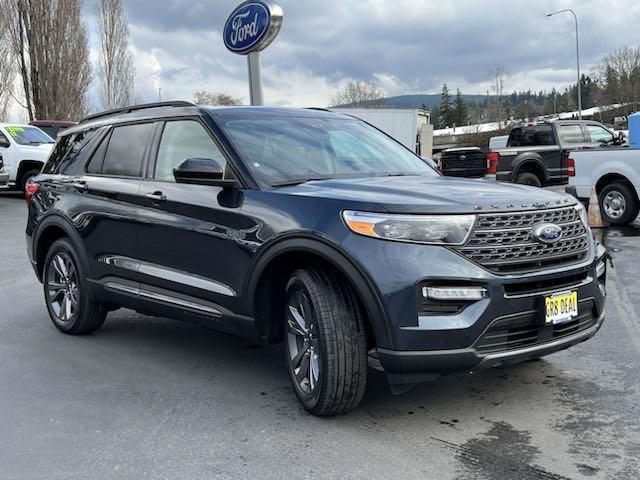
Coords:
252,26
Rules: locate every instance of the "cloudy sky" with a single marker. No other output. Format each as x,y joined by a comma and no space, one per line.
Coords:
406,46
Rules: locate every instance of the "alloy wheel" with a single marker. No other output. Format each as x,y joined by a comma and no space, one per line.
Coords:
62,287
302,338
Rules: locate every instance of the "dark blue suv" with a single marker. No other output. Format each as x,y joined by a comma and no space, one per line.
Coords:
313,229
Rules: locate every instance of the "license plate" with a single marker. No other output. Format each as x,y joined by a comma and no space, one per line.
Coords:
561,307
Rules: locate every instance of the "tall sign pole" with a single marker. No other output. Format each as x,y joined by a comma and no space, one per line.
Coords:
251,28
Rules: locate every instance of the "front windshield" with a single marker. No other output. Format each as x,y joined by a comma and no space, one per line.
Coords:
28,135
284,149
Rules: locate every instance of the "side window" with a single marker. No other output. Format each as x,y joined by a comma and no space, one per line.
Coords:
68,150
515,138
571,134
599,134
4,139
95,164
544,135
182,139
125,151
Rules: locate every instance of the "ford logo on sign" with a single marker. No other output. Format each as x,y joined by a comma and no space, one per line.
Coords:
252,26
547,233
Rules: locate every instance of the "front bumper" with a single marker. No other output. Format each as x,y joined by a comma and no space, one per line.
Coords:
415,345
421,366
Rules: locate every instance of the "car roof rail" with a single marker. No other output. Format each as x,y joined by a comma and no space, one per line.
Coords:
134,108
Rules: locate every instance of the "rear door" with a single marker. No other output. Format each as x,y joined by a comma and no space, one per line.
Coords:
195,243
107,214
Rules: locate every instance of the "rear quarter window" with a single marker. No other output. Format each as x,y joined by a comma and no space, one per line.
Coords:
69,152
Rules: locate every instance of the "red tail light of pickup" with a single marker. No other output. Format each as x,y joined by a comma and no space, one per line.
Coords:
571,166
492,162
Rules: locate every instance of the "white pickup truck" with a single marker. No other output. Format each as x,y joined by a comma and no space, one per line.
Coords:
615,174
24,150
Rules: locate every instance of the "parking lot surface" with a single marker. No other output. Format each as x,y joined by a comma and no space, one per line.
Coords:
153,398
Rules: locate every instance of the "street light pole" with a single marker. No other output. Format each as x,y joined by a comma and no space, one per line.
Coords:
575,18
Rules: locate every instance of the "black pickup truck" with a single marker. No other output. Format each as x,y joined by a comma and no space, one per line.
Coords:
538,153
469,162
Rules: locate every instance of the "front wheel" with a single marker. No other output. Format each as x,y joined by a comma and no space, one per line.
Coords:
618,204
66,292
325,342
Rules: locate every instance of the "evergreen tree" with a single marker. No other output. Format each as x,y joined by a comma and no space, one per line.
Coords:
460,112
445,112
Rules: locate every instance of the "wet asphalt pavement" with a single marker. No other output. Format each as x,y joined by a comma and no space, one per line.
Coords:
153,398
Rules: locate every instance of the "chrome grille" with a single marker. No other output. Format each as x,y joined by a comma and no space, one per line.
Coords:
503,242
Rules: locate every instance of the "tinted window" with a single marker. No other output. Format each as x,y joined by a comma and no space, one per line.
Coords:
125,151
599,134
68,150
532,136
182,140
571,134
286,148
95,165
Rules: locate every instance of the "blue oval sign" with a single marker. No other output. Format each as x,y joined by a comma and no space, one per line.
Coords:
252,26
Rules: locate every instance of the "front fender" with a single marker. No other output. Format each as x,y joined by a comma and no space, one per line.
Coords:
301,242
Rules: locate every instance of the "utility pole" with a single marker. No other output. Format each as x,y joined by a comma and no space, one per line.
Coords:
575,18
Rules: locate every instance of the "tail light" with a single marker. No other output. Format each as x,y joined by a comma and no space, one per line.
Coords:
30,190
571,166
492,162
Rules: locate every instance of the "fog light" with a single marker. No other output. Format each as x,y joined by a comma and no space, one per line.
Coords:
601,268
454,293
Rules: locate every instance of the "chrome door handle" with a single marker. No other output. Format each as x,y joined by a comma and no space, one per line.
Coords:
156,197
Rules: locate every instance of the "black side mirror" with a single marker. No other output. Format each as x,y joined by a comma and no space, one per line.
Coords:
621,138
202,171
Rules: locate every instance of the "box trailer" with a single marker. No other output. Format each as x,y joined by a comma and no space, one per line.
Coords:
411,127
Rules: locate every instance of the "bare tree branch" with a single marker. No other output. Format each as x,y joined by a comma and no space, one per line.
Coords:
7,63
116,70
360,94
203,97
50,41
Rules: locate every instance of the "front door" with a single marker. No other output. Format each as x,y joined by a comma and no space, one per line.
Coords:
195,242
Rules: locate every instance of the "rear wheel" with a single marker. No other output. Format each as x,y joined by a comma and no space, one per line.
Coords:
528,178
325,342
66,292
618,204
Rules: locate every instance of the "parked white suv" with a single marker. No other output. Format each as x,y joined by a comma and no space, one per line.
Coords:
24,150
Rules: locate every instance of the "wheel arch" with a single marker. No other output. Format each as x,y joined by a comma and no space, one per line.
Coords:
26,165
49,230
273,267
531,163
609,178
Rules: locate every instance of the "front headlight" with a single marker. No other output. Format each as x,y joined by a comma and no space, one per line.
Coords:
432,229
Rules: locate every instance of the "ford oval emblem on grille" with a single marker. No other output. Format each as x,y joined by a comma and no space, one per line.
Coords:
463,157
547,232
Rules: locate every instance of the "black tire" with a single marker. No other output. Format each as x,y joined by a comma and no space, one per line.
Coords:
618,204
528,178
84,315
25,178
335,335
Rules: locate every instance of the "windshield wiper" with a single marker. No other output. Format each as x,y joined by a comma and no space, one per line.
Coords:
297,181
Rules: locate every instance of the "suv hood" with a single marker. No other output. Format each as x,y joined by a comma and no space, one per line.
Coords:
421,194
